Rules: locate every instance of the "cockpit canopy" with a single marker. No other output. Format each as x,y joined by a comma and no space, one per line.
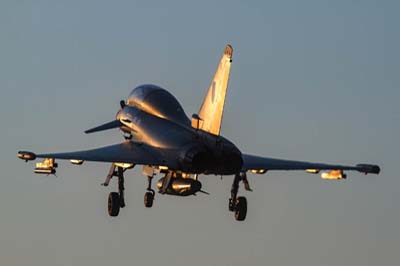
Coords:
157,101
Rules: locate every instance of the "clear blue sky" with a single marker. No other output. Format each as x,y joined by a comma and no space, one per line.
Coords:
313,80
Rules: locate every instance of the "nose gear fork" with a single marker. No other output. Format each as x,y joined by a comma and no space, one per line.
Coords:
149,189
149,195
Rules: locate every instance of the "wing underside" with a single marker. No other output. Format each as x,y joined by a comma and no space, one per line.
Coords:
127,152
251,162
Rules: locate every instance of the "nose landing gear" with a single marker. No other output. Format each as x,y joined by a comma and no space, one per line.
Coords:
148,199
149,195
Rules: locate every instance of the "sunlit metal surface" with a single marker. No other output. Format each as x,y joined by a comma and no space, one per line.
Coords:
163,167
334,175
26,155
213,105
47,166
125,165
77,162
312,171
258,171
154,130
159,102
181,186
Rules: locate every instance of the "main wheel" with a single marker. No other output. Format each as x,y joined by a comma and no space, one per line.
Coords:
113,204
241,209
148,199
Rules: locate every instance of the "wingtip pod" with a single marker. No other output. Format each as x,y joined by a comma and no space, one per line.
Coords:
26,155
368,168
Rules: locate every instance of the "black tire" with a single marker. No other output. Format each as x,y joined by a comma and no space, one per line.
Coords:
231,205
113,204
148,199
241,209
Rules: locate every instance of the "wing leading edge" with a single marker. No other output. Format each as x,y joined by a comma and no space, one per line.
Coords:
251,162
126,152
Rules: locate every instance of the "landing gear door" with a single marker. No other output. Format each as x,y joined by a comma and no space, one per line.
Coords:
148,170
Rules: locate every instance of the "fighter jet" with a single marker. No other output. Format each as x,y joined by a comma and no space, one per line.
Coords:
159,136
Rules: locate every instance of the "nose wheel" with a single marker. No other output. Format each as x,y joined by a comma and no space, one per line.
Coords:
149,195
148,199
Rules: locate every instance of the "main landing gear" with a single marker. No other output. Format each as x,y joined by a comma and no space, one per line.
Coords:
116,200
238,205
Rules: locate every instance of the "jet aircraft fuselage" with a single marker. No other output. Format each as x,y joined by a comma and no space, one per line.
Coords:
154,117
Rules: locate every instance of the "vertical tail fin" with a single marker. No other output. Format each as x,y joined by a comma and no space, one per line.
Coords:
213,105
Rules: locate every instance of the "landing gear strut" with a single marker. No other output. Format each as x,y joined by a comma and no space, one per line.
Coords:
238,205
149,195
116,200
